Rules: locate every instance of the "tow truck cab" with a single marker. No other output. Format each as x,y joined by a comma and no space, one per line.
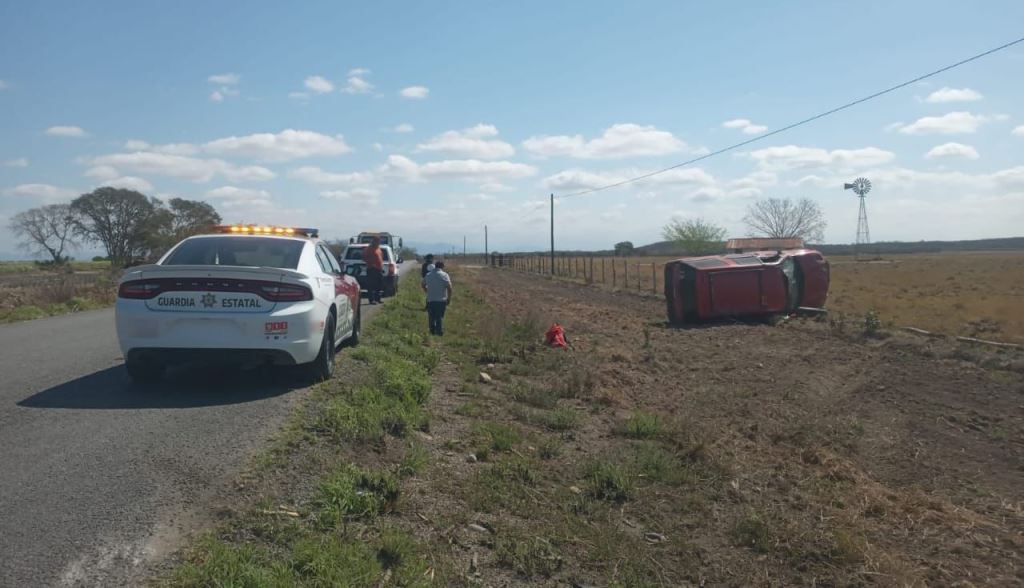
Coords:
385,239
745,284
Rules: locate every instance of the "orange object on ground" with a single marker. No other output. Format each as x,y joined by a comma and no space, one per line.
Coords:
555,337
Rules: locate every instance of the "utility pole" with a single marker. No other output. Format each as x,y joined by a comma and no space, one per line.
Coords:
463,246
552,234
487,249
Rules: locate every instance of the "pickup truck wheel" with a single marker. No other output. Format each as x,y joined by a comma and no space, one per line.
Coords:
142,370
322,368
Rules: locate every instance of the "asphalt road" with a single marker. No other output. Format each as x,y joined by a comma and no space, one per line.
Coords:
98,475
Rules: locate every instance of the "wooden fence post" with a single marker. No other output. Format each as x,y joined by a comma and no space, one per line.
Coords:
654,278
590,280
625,274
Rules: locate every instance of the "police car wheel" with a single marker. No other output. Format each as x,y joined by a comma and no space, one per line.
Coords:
141,371
322,368
357,326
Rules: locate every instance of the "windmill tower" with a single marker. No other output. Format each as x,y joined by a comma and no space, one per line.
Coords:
861,187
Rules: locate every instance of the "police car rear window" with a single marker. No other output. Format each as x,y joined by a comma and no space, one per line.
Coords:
238,251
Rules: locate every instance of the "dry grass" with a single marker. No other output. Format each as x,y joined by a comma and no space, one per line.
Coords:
977,294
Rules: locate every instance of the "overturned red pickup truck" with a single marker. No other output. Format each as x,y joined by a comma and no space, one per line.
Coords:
763,283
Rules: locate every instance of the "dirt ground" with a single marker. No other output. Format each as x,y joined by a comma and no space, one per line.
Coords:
829,458
975,294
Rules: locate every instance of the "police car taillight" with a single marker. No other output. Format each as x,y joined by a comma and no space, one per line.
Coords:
140,289
285,293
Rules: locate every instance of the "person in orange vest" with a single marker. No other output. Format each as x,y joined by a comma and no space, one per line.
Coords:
374,260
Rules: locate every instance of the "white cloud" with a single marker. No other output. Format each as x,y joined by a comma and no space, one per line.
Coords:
42,191
1019,131
467,170
226,79
953,123
169,148
356,84
745,125
231,197
319,84
577,179
415,92
102,172
65,131
953,150
953,95
473,142
618,141
4,85
216,96
404,128
315,175
284,146
495,187
365,195
129,183
178,166
793,157
19,162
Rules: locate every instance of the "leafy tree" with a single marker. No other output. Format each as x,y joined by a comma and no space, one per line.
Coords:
695,236
624,248
47,230
781,218
191,217
182,219
124,221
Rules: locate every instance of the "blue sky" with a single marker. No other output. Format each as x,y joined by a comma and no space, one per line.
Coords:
433,119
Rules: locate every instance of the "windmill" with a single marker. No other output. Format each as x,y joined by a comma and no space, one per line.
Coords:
861,187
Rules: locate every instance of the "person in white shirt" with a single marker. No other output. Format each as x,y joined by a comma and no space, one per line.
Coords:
438,286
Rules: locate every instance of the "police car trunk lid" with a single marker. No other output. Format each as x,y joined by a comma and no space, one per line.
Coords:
220,289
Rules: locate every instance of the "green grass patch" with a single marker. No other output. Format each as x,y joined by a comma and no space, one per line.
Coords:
641,425
354,493
497,436
607,480
529,556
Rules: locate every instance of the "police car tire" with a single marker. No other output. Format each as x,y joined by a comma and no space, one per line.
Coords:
322,368
357,327
142,371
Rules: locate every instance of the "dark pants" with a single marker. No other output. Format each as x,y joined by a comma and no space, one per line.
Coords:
435,311
374,283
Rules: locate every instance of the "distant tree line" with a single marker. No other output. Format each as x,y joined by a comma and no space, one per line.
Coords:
127,224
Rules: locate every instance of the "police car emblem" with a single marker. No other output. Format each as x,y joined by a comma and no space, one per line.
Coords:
208,300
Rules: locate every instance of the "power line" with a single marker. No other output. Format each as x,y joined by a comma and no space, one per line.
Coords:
793,125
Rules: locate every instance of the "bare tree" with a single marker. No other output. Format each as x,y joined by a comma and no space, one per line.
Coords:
781,218
695,236
47,230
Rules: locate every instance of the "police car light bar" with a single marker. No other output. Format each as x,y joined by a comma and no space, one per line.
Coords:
267,230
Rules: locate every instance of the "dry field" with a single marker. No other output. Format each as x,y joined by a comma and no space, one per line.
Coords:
979,294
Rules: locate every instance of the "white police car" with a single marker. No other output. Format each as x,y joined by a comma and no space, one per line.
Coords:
250,294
